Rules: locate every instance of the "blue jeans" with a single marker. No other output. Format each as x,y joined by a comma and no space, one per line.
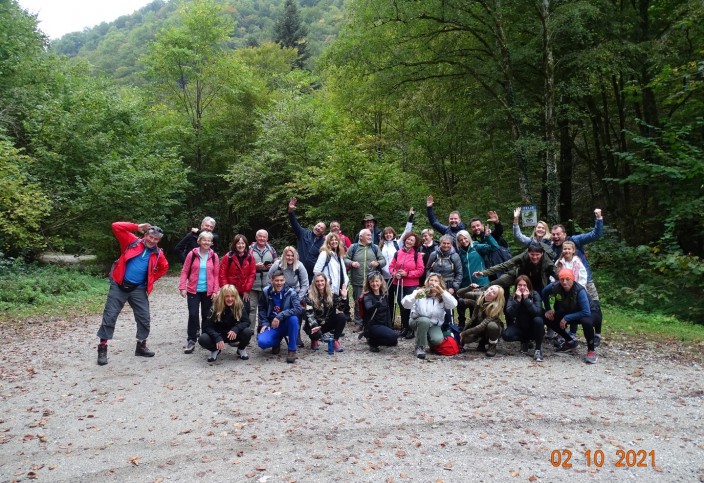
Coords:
202,301
287,328
139,302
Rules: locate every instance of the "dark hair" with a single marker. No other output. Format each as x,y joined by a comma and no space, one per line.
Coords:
536,247
238,237
411,233
277,273
475,219
526,279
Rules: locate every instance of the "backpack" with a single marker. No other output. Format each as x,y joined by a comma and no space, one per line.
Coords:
353,250
415,256
193,259
268,249
448,347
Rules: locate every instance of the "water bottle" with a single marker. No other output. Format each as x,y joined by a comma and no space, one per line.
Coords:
331,347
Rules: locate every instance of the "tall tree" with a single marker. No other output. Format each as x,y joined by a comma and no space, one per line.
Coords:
187,64
289,32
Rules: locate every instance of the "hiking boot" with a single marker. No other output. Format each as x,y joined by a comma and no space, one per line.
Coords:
300,343
102,354
337,346
491,350
597,340
403,333
567,346
213,355
143,350
420,353
276,350
524,347
190,347
538,356
242,353
409,335
291,358
558,341
591,357
374,348
314,345
467,339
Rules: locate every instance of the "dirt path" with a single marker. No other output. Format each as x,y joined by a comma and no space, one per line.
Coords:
354,416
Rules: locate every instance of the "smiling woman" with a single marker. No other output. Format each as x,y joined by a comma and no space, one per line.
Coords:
59,18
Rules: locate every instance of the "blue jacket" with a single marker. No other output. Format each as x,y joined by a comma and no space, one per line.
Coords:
307,244
290,305
445,229
573,304
580,241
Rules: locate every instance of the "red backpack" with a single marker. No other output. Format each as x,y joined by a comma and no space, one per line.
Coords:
448,347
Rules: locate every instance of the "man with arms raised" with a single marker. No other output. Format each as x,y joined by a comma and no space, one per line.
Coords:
132,279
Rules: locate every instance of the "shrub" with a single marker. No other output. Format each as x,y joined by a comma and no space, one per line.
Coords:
659,278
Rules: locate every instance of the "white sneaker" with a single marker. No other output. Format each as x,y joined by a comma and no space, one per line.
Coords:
243,354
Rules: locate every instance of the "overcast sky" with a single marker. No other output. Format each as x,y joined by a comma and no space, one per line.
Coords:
59,17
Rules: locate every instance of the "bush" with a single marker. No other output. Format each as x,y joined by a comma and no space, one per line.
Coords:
658,279
26,289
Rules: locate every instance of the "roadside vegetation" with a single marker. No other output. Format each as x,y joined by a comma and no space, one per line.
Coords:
31,290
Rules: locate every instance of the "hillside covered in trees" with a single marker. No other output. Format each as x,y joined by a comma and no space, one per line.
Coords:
229,107
114,48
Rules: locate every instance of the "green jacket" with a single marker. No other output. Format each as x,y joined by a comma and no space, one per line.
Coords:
364,254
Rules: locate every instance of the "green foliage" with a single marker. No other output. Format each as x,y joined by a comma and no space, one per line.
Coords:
657,279
114,48
32,289
23,205
145,186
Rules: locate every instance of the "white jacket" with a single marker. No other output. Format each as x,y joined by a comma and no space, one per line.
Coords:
332,271
429,307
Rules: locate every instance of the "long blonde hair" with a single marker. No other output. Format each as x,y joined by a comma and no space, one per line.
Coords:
495,308
328,249
282,261
219,302
315,297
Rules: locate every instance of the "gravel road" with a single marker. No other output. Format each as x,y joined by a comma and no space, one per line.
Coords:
353,416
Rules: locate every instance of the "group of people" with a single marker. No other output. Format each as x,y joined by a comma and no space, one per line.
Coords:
464,288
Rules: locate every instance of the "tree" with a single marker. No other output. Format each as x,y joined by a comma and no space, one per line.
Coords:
289,32
23,205
188,65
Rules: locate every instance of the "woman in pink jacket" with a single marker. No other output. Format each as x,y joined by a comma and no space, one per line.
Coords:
198,284
406,269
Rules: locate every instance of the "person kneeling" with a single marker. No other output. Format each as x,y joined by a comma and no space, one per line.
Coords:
279,309
226,321
485,323
322,314
428,306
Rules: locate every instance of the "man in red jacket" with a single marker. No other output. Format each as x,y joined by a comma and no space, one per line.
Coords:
132,279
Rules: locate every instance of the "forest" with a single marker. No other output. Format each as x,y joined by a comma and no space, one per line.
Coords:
227,108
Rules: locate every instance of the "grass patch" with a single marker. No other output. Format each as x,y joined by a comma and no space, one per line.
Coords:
652,326
31,290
